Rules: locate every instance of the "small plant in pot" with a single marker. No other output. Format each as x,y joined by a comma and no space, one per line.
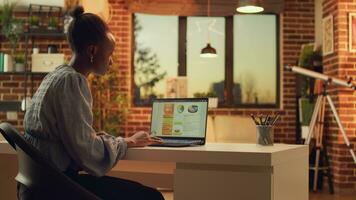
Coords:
34,22
52,23
310,59
20,63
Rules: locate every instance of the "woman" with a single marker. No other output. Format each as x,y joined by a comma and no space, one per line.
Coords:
59,120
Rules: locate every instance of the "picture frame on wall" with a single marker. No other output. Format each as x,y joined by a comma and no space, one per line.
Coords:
352,32
328,35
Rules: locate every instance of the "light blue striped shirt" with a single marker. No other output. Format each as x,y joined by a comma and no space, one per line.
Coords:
59,124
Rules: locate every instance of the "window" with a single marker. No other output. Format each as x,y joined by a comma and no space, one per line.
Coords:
213,68
255,59
155,55
247,48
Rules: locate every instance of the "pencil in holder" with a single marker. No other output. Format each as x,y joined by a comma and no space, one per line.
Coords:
265,135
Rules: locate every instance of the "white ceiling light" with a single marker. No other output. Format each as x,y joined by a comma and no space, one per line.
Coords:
249,6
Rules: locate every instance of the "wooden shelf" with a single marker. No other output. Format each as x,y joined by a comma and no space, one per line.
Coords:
59,35
24,73
10,106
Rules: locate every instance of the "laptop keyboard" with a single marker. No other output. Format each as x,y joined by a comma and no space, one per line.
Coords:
181,141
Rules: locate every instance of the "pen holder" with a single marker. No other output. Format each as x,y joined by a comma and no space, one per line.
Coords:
264,135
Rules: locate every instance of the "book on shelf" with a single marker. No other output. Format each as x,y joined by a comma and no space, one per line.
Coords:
1,62
5,62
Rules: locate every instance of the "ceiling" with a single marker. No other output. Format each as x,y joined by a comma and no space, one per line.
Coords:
196,7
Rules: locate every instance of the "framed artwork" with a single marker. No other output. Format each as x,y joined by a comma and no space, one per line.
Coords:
177,87
328,35
352,32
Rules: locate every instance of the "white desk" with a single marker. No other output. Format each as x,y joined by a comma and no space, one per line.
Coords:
234,171
230,171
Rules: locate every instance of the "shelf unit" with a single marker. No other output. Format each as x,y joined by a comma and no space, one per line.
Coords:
30,37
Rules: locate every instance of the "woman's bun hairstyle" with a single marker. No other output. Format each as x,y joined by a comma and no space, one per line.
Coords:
85,29
76,12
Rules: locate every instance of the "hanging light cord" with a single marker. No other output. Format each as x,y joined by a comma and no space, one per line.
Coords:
208,21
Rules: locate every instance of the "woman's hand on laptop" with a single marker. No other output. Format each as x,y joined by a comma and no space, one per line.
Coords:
141,139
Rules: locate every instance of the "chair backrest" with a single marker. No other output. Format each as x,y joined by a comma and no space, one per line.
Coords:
40,175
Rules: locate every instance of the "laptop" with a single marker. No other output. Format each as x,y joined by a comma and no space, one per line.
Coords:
179,122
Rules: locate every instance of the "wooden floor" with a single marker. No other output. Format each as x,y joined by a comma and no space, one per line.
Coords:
326,196
313,196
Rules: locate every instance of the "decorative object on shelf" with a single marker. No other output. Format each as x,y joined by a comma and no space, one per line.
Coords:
352,32
208,51
11,27
249,6
20,63
48,18
25,103
34,22
52,23
213,98
35,50
43,62
52,48
328,35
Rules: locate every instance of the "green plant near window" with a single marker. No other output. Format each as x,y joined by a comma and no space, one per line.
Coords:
307,111
20,58
11,27
205,95
305,61
52,23
34,21
110,108
308,58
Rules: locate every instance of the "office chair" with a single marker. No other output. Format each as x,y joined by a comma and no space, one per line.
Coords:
44,180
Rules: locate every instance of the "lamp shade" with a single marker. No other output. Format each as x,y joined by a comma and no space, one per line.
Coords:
249,6
208,52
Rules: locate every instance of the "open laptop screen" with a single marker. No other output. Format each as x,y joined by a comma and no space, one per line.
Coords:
179,117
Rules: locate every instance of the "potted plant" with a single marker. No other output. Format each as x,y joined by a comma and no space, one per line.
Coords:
309,59
110,107
34,22
213,98
11,27
20,63
52,23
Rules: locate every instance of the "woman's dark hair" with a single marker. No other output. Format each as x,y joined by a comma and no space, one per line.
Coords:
85,29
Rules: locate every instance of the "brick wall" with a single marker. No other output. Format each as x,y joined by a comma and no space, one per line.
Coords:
297,28
340,64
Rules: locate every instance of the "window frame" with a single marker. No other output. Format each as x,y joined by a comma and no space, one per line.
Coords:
229,62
